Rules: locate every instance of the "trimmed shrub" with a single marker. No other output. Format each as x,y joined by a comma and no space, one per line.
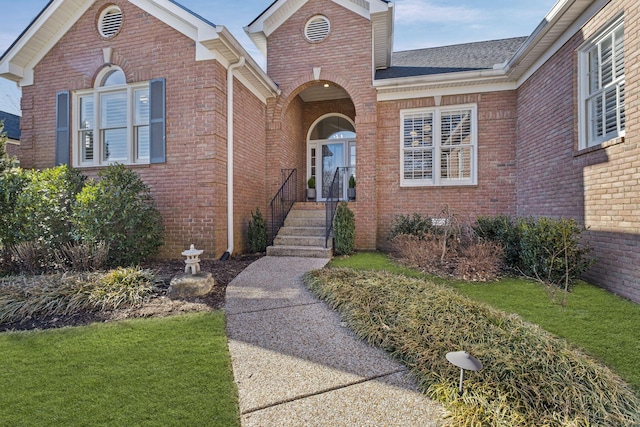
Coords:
257,232
530,377
12,183
502,229
551,251
40,218
414,225
119,210
545,249
344,230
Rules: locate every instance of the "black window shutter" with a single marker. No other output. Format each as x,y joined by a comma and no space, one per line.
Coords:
63,135
157,121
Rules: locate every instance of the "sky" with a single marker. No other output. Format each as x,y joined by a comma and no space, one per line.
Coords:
418,24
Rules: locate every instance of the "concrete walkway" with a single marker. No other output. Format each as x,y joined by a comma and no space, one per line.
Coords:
296,364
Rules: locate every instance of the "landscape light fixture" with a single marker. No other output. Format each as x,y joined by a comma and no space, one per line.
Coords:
463,360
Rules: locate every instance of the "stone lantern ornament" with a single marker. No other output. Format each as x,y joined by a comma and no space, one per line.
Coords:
193,260
192,285
463,360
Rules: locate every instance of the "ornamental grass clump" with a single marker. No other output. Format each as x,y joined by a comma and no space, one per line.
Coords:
530,377
23,297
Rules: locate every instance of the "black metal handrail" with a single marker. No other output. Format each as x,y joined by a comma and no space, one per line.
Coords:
283,201
332,197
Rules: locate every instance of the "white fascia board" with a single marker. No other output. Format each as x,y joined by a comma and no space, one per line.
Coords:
251,75
562,40
443,84
13,67
184,22
360,7
426,92
377,6
448,78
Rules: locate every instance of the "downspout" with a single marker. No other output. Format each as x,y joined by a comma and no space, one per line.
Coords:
230,70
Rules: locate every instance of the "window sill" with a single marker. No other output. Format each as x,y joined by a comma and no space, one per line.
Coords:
98,167
601,146
418,186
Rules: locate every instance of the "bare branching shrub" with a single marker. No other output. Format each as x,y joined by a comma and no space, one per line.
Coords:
447,246
479,261
87,256
32,257
421,252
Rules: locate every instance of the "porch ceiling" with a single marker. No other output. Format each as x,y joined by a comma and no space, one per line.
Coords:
321,93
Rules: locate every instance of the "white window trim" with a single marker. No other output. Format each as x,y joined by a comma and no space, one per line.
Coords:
131,125
436,181
583,87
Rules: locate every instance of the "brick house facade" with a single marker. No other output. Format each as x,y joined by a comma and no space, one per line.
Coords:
511,129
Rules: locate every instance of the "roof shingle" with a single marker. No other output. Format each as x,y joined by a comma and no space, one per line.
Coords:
451,59
11,125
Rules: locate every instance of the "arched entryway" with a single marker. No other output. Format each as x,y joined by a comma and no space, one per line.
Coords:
331,154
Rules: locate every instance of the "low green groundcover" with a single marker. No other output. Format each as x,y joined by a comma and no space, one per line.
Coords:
530,377
173,371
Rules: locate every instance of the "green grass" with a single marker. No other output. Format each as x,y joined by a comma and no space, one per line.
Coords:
602,324
173,371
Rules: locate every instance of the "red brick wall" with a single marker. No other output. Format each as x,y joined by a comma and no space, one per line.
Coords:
345,60
599,187
13,149
190,188
495,191
250,160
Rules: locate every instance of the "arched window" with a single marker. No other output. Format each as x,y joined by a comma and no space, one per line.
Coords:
113,121
333,127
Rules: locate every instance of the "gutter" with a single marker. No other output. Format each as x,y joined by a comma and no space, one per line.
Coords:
230,234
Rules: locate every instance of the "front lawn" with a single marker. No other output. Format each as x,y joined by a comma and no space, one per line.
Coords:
173,371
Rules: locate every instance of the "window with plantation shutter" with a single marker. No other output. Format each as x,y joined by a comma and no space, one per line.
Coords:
119,122
317,28
438,146
602,87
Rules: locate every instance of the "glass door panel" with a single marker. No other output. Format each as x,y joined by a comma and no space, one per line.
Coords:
333,157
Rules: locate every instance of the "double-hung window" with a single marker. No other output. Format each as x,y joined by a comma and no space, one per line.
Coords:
113,123
439,146
602,86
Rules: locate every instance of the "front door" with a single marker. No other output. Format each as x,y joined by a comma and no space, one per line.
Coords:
331,147
334,154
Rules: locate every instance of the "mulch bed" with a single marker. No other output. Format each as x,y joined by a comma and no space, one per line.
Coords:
159,304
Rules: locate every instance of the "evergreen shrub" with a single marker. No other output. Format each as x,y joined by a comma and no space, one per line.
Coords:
257,232
344,230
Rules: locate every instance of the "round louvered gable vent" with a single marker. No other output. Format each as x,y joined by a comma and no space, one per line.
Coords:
110,21
317,28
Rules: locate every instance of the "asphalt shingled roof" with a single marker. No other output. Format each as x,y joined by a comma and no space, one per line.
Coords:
11,125
450,59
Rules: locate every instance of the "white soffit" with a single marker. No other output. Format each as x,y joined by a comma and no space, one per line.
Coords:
278,13
563,21
42,34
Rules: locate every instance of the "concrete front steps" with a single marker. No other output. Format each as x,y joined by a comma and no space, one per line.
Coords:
303,233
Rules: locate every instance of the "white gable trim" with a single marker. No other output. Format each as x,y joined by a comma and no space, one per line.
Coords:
562,40
280,11
211,42
19,62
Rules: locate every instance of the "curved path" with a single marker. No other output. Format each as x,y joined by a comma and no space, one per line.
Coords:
296,364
